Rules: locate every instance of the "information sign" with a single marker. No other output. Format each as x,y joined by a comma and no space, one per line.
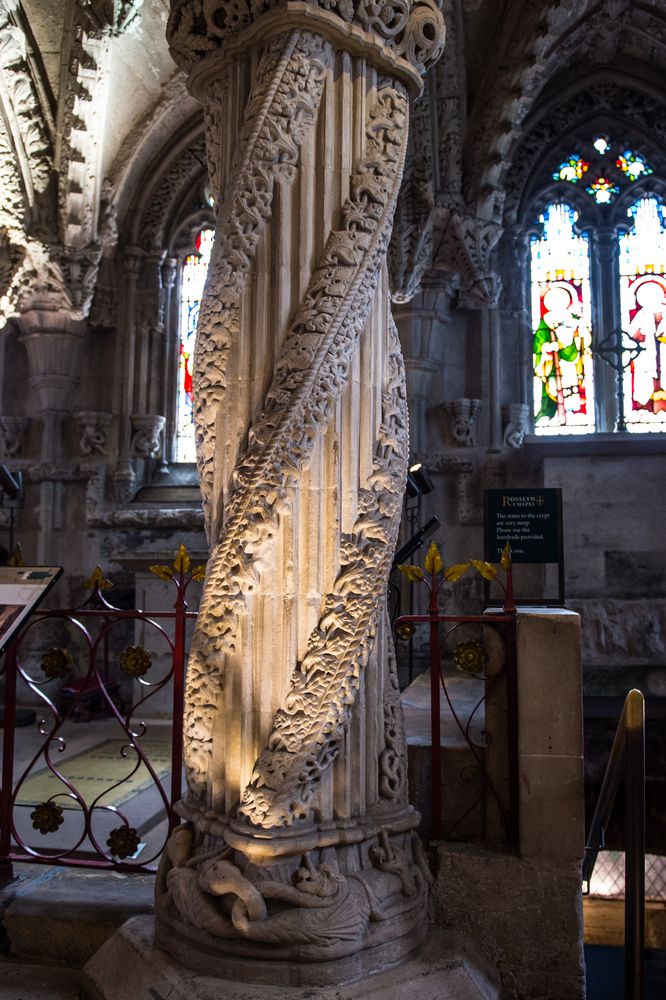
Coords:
531,522
21,590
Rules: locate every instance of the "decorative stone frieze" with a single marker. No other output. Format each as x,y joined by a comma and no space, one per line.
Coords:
81,123
94,430
462,416
147,430
301,428
12,436
515,420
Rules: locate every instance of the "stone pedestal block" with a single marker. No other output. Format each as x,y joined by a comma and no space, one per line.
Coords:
436,973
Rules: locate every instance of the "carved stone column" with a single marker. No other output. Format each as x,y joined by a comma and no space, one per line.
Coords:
53,343
299,862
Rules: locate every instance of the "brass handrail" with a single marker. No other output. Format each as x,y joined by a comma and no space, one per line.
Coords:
627,758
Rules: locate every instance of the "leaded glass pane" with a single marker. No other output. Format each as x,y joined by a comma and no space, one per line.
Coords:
193,279
643,304
605,168
563,386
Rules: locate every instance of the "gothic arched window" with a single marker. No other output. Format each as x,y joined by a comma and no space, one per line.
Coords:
193,278
598,290
561,317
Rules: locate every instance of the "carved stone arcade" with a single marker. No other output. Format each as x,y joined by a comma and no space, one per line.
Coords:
300,848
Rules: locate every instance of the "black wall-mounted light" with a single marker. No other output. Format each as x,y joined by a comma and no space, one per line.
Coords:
419,482
11,483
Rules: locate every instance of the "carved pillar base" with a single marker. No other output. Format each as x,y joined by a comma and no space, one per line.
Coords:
314,915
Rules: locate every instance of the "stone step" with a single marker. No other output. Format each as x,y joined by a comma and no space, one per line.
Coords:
22,981
436,973
64,915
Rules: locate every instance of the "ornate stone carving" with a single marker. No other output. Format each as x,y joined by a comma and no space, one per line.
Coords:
516,417
603,99
309,375
124,482
12,434
311,723
302,446
94,430
112,16
147,430
410,250
466,246
392,760
26,102
414,29
314,911
181,176
462,415
290,77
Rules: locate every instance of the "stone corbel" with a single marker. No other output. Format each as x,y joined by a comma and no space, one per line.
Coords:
147,430
462,416
515,418
466,247
94,431
12,434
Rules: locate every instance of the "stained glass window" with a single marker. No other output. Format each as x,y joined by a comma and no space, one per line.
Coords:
193,279
602,190
571,169
643,305
633,165
563,386
606,169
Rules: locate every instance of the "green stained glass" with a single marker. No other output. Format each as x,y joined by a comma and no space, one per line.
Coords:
562,362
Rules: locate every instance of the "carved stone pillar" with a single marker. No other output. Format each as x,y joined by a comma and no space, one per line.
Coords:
303,861
53,343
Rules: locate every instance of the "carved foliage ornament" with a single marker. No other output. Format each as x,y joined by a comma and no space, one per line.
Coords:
19,89
310,726
413,28
281,109
466,247
310,375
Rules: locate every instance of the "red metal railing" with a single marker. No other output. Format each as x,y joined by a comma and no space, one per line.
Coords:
93,624
506,792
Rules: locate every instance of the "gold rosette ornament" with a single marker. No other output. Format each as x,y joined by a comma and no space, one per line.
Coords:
56,663
47,817
471,657
123,842
135,661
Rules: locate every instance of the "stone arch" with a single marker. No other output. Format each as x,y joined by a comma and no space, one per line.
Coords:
554,39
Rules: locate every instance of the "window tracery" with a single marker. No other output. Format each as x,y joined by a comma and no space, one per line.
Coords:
598,294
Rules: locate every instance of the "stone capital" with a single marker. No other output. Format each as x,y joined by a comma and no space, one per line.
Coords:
52,339
400,38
